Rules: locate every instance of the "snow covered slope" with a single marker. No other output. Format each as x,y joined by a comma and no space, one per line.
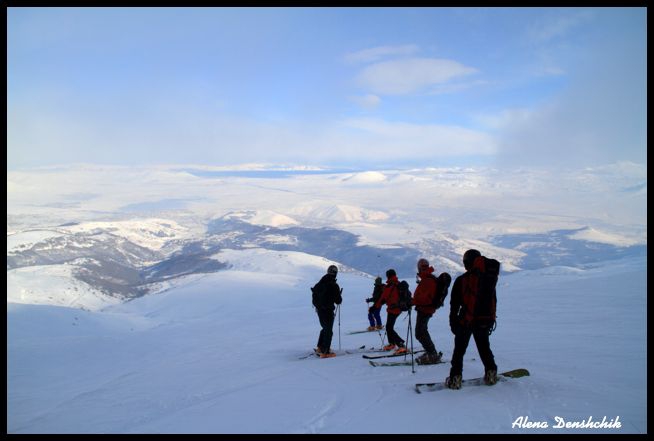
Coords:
219,354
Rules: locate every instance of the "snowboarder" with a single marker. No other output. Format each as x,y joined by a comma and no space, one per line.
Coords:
391,296
373,313
465,323
326,294
423,300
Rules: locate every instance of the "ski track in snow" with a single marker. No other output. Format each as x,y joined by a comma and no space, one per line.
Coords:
316,424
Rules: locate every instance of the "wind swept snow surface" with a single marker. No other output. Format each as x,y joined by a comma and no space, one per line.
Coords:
220,354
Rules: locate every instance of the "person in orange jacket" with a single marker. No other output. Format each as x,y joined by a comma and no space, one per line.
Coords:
390,296
423,300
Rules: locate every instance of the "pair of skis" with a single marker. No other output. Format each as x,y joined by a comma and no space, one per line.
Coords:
371,359
347,351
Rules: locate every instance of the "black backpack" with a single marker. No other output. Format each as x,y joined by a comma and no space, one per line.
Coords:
404,302
442,286
318,294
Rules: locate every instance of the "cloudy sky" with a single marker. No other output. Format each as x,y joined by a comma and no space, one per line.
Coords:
355,87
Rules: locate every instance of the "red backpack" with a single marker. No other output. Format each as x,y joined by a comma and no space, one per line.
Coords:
479,296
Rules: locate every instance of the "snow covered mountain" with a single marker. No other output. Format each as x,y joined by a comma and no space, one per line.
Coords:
129,259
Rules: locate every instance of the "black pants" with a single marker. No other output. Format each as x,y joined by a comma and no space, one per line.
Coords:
326,318
393,338
461,340
422,332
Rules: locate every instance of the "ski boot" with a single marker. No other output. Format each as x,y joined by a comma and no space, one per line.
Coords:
453,382
490,378
327,354
401,350
430,358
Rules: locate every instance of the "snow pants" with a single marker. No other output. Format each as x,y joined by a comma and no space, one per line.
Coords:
373,316
393,337
461,340
326,318
422,332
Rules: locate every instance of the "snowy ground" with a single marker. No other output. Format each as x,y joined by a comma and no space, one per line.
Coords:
219,354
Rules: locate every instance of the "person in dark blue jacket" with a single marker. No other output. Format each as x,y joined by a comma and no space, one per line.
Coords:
326,294
373,313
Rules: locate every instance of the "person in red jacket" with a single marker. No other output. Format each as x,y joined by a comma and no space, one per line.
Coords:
391,297
423,300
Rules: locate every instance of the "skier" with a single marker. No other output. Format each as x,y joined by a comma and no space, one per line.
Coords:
423,300
373,313
326,294
391,297
463,327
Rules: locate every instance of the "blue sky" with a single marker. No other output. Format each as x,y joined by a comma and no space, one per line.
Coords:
356,87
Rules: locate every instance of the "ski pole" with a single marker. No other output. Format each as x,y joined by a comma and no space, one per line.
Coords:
408,328
413,371
339,320
409,338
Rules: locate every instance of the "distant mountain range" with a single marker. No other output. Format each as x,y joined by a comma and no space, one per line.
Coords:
129,259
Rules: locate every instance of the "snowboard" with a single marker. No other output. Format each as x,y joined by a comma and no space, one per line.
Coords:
504,376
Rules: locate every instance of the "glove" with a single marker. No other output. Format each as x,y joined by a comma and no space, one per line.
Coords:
368,300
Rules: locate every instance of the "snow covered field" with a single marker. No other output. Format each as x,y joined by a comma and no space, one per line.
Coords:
219,354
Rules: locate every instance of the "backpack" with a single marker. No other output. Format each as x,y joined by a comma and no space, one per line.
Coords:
479,296
442,286
404,302
318,294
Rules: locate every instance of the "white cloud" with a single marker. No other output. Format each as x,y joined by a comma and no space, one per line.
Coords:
375,53
400,77
439,89
367,101
421,140
553,27
505,118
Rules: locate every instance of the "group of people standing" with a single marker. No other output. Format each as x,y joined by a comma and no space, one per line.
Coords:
464,323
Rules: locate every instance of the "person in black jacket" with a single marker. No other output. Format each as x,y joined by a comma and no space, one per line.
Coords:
326,294
373,313
464,329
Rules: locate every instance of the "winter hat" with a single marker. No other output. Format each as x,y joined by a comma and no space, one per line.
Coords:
378,281
332,270
469,257
390,273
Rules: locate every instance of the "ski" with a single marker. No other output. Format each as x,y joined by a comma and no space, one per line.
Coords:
362,332
504,376
374,357
400,363
344,352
